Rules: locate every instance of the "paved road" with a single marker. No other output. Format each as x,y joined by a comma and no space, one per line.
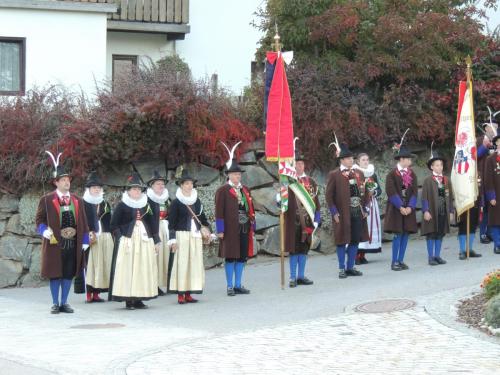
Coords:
34,342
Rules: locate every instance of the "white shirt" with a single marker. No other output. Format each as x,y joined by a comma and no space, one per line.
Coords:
400,168
60,195
343,168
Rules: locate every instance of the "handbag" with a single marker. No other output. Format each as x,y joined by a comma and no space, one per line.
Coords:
206,235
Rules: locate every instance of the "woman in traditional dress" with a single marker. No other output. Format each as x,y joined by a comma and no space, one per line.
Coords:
135,269
186,222
374,243
100,253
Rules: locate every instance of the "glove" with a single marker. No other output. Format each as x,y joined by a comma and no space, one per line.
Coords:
85,247
47,233
316,224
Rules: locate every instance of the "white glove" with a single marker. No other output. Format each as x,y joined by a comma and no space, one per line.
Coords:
47,233
315,224
85,247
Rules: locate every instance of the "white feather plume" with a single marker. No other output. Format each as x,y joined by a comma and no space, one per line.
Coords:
336,144
54,160
432,144
295,141
231,153
403,137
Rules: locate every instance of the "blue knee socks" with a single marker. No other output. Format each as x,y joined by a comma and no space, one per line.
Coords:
402,247
430,247
341,249
462,240
55,284
294,259
229,267
302,265
396,243
437,247
66,287
352,251
238,270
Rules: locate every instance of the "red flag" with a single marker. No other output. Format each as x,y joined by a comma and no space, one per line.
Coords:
279,123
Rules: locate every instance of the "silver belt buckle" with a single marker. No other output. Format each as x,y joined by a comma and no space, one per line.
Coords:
355,201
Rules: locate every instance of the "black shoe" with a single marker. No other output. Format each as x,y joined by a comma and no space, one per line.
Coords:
342,274
129,305
403,266
354,272
54,309
364,261
231,292
357,262
496,250
161,292
66,308
433,261
485,239
440,260
140,305
473,254
241,290
304,281
462,256
396,267
292,284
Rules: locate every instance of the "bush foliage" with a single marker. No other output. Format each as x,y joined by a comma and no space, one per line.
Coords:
159,111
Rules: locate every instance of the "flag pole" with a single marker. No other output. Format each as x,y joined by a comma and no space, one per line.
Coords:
277,48
468,72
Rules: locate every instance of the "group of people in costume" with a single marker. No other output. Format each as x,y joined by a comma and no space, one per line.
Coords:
148,246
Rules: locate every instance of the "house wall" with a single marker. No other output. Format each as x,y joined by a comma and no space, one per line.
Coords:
146,46
62,47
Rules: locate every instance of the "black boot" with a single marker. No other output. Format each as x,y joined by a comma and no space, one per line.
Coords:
496,250
485,239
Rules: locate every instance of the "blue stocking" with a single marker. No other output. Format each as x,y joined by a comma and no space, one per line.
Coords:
430,247
352,251
238,269
396,243
472,236
66,287
437,248
462,238
294,259
341,256
302,265
229,267
402,247
55,284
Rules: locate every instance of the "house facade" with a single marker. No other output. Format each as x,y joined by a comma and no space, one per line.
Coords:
80,44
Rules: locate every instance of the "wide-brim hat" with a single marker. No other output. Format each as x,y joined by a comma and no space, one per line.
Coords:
345,152
234,168
435,156
156,177
185,176
60,172
134,180
404,152
300,156
93,179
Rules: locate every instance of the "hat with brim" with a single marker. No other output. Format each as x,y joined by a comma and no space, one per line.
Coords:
300,157
345,152
93,180
234,168
435,156
156,177
60,172
404,153
134,180
185,176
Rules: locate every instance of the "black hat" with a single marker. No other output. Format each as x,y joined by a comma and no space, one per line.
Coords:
345,152
300,156
93,180
156,177
403,152
435,156
495,138
184,177
234,168
60,172
134,180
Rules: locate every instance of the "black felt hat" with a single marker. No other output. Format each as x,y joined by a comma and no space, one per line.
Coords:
134,180
345,152
93,179
156,177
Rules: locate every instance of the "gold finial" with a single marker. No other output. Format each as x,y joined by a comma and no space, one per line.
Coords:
468,61
277,45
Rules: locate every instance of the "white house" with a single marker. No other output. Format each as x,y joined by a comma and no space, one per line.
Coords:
80,43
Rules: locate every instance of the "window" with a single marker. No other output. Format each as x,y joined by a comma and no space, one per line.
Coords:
123,66
12,66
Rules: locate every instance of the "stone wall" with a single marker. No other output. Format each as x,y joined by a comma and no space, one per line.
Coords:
20,245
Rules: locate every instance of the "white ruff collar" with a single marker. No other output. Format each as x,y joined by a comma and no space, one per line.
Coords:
368,171
89,198
160,199
188,201
140,203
